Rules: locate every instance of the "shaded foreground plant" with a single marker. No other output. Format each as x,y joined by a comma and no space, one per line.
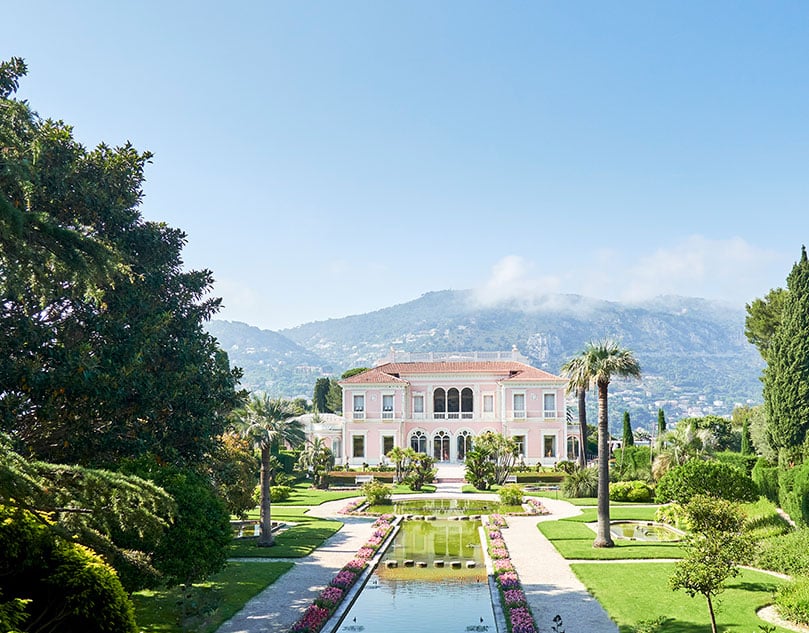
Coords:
324,606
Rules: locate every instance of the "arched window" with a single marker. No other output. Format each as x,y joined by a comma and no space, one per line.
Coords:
439,404
441,446
418,441
467,402
453,404
464,444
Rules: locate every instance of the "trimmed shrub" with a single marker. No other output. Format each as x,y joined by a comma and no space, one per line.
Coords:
792,601
787,554
713,478
638,491
672,514
765,476
511,494
583,482
376,493
793,492
279,493
742,462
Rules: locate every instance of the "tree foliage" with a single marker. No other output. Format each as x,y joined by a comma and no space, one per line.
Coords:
103,354
317,459
764,317
233,470
714,549
786,377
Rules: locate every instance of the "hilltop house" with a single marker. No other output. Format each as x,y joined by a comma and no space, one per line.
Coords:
438,403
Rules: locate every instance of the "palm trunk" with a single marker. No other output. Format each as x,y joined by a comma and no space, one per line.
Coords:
265,537
603,536
581,395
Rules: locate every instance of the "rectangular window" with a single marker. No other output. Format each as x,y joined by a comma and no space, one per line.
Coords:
520,440
387,444
387,406
549,446
337,447
359,407
519,405
358,445
488,404
549,405
418,404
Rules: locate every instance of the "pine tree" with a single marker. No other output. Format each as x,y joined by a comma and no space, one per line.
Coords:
746,448
786,377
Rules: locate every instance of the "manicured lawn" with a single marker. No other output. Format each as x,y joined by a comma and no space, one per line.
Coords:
617,513
632,592
574,540
210,603
293,542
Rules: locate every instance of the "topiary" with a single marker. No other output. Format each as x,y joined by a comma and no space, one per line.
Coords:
638,491
698,477
765,476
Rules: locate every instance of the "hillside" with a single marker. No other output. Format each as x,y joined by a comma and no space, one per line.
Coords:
693,352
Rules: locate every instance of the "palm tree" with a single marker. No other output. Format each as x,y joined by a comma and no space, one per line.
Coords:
267,424
578,383
595,366
318,459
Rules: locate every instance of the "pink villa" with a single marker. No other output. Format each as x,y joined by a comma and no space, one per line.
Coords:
438,403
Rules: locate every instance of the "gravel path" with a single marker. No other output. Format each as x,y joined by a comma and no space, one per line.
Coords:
278,607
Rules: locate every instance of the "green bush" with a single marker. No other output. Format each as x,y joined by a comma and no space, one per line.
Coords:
511,494
793,492
638,491
792,601
376,493
67,585
698,477
765,476
788,554
279,493
633,463
566,466
583,482
671,514
742,462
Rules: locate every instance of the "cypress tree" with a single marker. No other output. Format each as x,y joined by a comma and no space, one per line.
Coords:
746,449
786,377
628,438
661,427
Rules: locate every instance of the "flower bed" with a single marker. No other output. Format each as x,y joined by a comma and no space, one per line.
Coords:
352,506
512,596
536,506
324,606
498,521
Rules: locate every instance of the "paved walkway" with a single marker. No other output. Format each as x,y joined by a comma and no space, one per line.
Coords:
550,586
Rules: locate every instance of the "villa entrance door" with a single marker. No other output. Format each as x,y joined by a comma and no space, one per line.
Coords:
441,447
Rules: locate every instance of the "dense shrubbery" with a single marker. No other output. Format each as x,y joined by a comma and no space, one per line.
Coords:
511,495
698,477
765,476
793,492
788,554
67,584
638,491
792,601
742,462
583,482
633,463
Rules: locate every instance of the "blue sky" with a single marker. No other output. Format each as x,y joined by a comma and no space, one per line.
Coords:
332,158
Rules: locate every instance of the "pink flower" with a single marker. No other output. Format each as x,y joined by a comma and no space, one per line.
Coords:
344,579
499,552
366,552
329,598
509,580
514,597
312,620
521,620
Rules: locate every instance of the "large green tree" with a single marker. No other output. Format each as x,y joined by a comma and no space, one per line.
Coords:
764,316
597,365
269,425
103,354
786,377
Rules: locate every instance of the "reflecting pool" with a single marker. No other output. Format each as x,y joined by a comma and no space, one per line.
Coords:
445,507
432,578
644,531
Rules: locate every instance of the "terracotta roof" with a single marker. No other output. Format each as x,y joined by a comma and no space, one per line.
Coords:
508,370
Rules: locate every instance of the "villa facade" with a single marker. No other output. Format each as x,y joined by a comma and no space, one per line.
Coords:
438,404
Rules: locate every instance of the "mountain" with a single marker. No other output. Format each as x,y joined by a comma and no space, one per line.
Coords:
693,352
